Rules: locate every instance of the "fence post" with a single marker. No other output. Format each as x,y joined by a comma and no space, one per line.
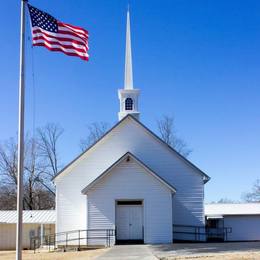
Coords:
79,240
115,233
66,241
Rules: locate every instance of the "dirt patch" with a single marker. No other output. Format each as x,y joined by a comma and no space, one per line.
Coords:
29,255
227,256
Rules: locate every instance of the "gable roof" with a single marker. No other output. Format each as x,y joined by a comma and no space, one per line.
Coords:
138,161
206,178
29,216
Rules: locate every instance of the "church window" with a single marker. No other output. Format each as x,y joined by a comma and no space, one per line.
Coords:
129,104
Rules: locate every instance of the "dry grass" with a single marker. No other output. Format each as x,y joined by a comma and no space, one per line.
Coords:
29,255
91,254
220,256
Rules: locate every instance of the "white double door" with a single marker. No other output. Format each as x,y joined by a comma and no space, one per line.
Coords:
129,222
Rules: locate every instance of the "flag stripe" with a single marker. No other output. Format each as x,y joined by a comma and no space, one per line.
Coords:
79,29
71,52
61,35
65,30
60,49
84,33
67,45
57,49
61,39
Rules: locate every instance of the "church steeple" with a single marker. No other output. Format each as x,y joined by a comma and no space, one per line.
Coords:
128,96
128,56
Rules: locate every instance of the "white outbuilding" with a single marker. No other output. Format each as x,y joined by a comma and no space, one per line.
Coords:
35,223
241,220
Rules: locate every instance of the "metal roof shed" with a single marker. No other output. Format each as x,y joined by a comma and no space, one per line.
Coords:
35,222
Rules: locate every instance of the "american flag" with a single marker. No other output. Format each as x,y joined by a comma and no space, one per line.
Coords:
57,36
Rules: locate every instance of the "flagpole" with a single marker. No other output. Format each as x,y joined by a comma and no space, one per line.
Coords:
20,167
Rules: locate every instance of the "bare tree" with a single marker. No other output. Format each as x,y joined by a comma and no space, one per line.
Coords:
225,201
254,195
48,138
34,167
41,163
95,131
8,174
8,162
36,177
168,134
7,197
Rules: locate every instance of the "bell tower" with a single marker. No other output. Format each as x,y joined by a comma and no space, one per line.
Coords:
128,96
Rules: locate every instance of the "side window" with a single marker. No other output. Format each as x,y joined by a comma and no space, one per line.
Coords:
129,104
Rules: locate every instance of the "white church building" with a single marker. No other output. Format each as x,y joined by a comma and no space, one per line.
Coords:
130,180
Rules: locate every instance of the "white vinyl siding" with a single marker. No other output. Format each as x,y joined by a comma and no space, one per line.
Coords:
129,180
244,228
129,136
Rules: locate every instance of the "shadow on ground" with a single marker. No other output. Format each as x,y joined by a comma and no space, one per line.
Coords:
202,248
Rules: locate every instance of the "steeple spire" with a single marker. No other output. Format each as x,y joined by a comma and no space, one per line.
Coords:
128,55
128,96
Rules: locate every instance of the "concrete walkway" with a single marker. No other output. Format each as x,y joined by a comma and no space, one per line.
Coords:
128,252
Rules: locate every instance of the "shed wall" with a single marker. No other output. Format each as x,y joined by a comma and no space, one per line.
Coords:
8,234
244,228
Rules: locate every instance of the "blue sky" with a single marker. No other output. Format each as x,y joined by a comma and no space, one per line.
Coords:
196,60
